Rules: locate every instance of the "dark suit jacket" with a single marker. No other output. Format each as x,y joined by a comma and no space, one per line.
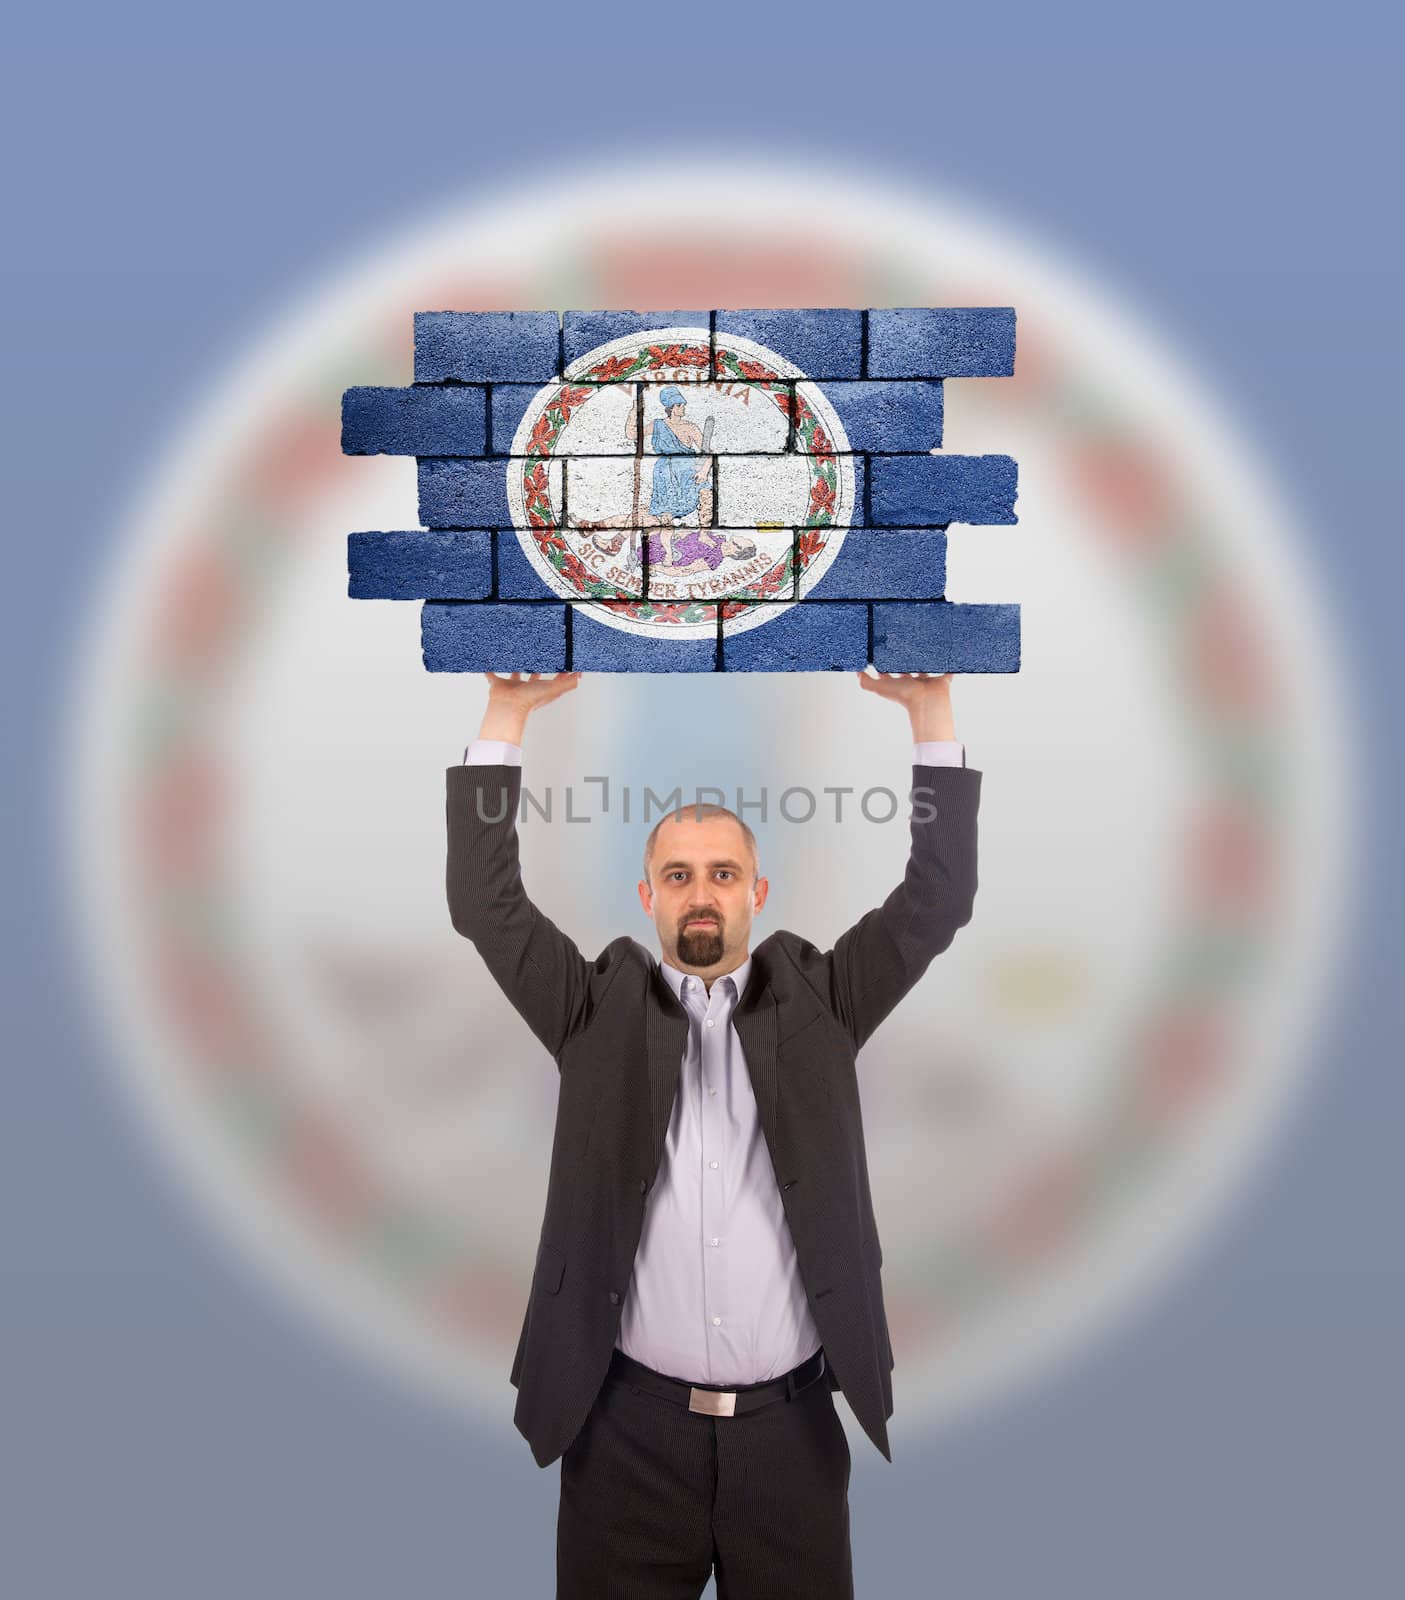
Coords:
618,1034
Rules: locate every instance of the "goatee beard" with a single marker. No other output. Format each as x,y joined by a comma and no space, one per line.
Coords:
700,947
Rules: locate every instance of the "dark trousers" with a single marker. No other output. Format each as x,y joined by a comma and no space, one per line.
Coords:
654,1496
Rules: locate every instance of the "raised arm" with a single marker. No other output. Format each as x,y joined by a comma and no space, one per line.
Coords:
874,963
537,966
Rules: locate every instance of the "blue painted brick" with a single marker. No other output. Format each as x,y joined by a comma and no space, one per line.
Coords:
930,491
449,421
942,637
518,579
889,416
860,512
886,564
510,402
463,494
822,343
486,346
946,342
780,550
469,637
419,566
808,637
584,331
598,647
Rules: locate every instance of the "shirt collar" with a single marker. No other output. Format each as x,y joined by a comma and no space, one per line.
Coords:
737,976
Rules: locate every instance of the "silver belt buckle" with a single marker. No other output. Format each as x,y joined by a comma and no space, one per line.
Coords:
713,1402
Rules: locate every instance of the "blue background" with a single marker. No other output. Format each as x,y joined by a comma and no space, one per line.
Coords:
169,1429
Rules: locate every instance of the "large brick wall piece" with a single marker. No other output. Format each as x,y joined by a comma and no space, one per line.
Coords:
761,490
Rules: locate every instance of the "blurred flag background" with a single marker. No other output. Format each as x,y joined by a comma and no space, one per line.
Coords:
276,1149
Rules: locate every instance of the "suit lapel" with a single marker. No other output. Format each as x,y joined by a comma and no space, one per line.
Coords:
666,1037
755,1022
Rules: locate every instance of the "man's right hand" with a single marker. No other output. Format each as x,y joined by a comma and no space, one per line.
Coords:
513,698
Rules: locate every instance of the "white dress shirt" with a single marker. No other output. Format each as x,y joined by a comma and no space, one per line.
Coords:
716,1294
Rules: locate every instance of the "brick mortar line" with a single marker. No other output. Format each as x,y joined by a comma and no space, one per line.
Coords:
812,603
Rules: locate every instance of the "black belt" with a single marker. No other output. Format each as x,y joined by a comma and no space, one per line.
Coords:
711,1399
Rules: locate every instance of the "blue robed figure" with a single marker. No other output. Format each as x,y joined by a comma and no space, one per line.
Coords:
675,488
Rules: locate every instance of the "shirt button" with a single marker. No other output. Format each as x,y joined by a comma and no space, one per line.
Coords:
711,1023
717,1322
714,1241
712,1163
712,1091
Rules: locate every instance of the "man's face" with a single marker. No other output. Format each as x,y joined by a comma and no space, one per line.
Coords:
701,894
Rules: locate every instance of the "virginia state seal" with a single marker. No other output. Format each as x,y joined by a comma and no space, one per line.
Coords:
672,473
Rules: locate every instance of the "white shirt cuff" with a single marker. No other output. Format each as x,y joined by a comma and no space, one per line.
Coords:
939,753
493,753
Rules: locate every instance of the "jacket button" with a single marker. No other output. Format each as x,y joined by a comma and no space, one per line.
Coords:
643,1186
791,1184
614,1297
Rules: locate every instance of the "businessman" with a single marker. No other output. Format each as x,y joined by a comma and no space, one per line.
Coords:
708,1271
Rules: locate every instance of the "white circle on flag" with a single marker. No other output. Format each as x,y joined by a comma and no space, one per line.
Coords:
766,518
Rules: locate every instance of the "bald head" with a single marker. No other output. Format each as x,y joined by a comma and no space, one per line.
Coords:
691,816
